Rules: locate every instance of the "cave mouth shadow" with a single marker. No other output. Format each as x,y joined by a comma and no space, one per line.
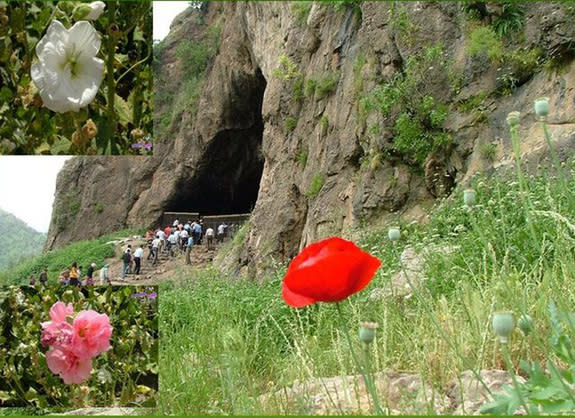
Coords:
228,176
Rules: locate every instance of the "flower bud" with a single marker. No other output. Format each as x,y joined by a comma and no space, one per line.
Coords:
97,8
66,6
525,324
542,107
90,130
513,119
367,332
393,234
137,133
82,11
503,324
469,197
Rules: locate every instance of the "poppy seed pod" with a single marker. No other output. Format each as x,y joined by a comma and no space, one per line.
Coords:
513,119
542,107
393,234
469,197
503,324
367,332
525,324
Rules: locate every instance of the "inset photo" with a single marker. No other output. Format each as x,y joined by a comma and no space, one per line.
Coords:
66,347
76,78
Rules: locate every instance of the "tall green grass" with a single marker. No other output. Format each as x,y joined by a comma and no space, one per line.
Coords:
226,340
82,252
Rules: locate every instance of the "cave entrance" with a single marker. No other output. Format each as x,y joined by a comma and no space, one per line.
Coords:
228,177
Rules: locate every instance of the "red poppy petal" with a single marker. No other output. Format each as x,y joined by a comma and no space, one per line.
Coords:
295,300
365,272
337,271
333,244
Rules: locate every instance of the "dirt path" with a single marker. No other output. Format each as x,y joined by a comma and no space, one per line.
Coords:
167,268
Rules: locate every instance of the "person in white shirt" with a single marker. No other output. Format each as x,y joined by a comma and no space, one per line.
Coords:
175,224
155,247
183,239
221,232
210,238
172,242
138,254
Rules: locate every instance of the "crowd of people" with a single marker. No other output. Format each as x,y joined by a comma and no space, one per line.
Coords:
174,239
73,276
178,238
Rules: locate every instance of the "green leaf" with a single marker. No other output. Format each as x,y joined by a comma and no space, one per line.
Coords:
124,111
5,94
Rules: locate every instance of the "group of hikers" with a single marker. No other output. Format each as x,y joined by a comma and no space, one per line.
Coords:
171,240
73,276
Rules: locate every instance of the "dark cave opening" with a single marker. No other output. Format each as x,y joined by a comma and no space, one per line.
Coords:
228,177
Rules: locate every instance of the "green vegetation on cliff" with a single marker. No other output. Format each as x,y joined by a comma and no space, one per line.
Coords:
83,252
19,240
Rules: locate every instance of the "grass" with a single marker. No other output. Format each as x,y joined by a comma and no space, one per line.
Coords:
83,252
227,340
316,185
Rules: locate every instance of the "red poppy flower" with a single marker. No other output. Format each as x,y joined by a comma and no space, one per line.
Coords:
327,271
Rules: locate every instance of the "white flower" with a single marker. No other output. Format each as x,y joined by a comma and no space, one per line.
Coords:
68,74
97,10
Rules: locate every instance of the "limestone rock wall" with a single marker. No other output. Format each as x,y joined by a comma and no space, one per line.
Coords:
335,187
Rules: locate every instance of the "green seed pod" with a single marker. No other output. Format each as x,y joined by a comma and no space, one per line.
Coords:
469,197
367,332
513,119
394,234
525,324
542,107
503,324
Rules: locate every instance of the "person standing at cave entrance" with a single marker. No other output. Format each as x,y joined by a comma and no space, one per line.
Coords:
189,246
197,229
184,235
138,254
155,248
210,238
221,232
172,243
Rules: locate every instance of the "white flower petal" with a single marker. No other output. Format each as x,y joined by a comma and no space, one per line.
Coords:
68,74
85,39
97,10
56,33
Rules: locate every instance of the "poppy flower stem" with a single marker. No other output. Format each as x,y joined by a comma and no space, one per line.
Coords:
509,366
440,330
367,377
554,157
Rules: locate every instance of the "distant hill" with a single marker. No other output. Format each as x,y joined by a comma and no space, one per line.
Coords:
18,242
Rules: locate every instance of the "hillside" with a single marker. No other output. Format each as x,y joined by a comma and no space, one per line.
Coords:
319,117
19,242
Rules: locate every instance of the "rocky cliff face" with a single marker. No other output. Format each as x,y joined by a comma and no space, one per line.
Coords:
324,116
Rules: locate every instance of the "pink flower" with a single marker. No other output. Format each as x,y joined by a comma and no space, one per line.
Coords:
58,331
92,333
68,366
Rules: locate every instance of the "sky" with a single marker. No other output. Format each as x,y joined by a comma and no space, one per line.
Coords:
27,186
164,14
